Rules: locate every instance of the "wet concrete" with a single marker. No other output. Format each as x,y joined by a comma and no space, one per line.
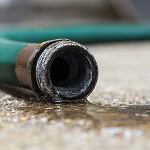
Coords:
88,115
117,115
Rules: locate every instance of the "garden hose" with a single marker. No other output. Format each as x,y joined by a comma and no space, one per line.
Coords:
59,70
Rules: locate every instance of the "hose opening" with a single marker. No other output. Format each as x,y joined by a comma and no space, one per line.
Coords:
71,73
60,71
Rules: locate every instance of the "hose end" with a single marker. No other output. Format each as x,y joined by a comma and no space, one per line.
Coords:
62,70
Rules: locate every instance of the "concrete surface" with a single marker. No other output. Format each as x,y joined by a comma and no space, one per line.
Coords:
118,117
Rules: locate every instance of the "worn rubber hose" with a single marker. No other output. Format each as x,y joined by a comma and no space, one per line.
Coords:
14,40
82,33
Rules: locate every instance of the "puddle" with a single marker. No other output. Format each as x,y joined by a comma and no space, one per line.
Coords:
84,115
31,124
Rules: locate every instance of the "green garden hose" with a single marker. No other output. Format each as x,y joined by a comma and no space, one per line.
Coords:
14,40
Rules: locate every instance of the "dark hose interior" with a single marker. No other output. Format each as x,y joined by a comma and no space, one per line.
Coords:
71,73
60,71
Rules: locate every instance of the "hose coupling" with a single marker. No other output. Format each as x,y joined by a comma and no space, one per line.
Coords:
59,70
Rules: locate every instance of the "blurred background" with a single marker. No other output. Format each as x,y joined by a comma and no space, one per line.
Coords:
64,12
